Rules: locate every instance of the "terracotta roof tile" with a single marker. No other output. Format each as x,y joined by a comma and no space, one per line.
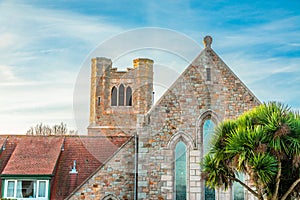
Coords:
103,148
34,155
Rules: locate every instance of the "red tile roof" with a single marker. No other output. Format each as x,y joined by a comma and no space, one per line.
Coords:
102,148
34,155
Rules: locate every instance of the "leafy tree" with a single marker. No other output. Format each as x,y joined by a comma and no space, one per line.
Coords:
264,144
41,129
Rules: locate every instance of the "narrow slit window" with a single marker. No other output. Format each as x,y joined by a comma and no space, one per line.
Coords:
98,101
208,74
114,96
121,95
128,96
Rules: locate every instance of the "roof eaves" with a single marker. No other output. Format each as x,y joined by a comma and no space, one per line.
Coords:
20,176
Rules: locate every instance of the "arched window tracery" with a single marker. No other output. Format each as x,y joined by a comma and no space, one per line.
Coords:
110,197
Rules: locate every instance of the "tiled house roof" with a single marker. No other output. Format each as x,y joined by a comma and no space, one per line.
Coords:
55,156
34,155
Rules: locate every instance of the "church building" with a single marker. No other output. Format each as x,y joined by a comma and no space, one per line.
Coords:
136,150
170,137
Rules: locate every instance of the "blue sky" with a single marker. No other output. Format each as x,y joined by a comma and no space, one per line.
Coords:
44,44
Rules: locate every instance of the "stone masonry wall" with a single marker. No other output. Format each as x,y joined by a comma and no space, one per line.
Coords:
110,120
179,116
116,177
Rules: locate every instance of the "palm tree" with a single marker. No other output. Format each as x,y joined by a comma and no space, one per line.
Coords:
264,144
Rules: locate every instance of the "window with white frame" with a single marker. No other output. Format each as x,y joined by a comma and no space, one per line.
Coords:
23,189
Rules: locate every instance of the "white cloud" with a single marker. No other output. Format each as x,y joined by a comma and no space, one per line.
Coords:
6,74
41,51
26,103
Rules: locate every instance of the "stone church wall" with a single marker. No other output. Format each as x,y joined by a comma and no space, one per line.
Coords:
206,90
115,178
179,116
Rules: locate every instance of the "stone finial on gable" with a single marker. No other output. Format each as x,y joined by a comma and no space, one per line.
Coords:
207,41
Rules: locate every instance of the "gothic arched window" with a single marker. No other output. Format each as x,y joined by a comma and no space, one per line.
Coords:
114,96
128,96
208,130
121,95
110,197
180,171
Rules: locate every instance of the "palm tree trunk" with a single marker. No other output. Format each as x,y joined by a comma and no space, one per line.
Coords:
275,196
260,195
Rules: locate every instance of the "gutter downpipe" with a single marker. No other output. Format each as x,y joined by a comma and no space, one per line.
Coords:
136,141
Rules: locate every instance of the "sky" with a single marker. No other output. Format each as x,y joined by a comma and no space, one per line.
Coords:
46,46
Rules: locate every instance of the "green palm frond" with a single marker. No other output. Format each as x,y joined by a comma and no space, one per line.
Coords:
265,166
254,144
216,173
221,133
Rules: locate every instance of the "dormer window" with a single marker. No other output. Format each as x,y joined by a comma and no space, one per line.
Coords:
26,189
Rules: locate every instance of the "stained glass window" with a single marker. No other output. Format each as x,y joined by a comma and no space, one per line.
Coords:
208,129
180,171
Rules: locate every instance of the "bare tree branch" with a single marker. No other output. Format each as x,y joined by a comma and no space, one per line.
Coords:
46,130
290,189
244,185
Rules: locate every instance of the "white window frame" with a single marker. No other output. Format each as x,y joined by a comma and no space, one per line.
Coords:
37,188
